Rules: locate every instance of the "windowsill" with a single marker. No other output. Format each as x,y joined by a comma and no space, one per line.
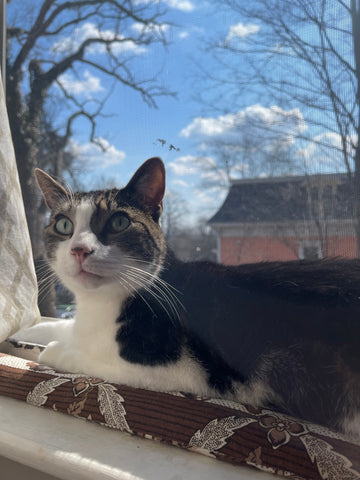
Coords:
71,449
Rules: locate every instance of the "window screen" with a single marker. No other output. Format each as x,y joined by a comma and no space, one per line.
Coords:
253,107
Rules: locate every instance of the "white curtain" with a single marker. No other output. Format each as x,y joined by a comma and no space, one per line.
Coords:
18,287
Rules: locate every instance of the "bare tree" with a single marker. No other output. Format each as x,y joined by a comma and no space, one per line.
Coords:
194,242
172,219
298,54
50,42
251,142
247,156
50,38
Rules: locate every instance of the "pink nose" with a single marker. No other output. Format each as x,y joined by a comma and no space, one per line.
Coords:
81,253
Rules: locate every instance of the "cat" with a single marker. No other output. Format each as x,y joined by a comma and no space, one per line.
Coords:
284,335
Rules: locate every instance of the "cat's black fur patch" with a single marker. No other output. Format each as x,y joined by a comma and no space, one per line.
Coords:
146,335
236,318
219,375
150,336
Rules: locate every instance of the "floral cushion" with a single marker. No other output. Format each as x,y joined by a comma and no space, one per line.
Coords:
240,434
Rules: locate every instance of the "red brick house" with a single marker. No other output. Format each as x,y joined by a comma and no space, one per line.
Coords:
286,218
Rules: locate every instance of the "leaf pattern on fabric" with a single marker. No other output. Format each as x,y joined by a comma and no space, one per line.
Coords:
242,407
39,395
331,465
36,367
214,435
111,407
319,429
16,362
76,407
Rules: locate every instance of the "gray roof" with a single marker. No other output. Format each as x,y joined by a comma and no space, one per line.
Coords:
280,199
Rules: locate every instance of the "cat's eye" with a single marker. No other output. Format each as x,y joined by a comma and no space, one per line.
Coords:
118,222
64,226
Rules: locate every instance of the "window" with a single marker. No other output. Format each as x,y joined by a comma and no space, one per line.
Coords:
267,160
310,250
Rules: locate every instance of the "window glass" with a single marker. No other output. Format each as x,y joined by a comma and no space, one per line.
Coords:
253,107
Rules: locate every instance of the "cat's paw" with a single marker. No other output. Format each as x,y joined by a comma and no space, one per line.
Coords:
59,356
45,332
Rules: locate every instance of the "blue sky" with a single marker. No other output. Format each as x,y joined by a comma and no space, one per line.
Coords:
130,129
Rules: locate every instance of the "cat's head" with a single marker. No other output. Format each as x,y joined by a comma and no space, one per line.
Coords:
106,240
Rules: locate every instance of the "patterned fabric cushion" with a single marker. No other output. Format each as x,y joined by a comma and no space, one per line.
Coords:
18,290
240,434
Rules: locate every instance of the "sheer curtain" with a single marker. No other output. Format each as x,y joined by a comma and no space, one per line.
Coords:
18,287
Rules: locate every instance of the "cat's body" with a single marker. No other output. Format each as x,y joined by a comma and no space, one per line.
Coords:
284,335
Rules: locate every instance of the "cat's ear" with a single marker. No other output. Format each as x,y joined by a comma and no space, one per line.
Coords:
52,191
148,184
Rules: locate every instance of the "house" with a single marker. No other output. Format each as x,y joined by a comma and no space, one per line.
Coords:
286,218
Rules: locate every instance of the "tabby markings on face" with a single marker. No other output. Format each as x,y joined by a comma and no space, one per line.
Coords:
98,242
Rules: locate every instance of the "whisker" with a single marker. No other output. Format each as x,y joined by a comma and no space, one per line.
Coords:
162,292
122,277
70,193
160,280
46,281
140,260
42,270
143,285
44,273
124,282
44,287
161,285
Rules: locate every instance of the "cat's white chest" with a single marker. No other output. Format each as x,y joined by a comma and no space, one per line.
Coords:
96,326
91,348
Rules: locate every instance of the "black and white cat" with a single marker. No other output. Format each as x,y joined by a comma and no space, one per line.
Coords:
284,335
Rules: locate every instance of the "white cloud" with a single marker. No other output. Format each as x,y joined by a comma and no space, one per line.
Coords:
272,126
242,31
192,31
207,126
247,143
206,197
191,165
90,31
182,5
183,35
199,171
325,153
89,84
94,156
189,170
201,168
150,28
185,165
180,183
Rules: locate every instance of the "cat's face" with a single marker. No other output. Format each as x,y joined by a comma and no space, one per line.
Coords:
109,240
